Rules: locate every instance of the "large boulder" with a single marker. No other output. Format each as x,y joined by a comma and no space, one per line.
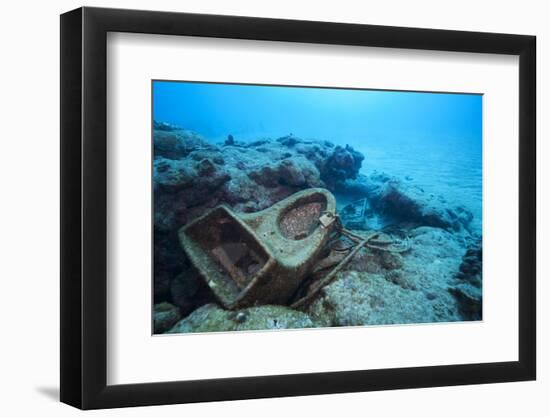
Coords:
468,288
469,300
165,315
175,143
293,172
470,270
211,318
188,291
344,163
403,202
168,261
359,298
163,126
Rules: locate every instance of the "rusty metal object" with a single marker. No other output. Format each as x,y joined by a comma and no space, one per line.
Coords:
380,241
338,258
355,214
388,243
328,279
260,258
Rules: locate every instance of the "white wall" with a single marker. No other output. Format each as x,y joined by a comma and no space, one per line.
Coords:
29,176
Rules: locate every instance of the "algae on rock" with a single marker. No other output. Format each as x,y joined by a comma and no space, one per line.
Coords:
414,289
165,315
212,318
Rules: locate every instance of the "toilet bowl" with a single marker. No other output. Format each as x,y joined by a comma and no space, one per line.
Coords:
260,258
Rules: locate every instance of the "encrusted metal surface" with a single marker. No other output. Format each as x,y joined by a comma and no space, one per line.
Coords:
259,258
299,222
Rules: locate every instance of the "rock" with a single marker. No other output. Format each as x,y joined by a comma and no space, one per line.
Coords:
389,260
163,126
211,318
398,278
288,140
257,143
468,288
291,173
408,203
180,185
177,143
165,315
434,258
297,172
241,317
200,154
274,317
470,270
168,261
469,301
188,291
415,289
375,261
230,140
357,299
404,202
205,167
208,318
344,163
364,186
173,174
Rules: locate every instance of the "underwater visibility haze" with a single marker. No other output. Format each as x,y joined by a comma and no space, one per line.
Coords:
294,207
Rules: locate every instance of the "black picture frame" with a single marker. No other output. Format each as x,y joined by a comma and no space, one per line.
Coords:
84,207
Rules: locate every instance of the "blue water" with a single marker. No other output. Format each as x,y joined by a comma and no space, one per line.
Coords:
431,139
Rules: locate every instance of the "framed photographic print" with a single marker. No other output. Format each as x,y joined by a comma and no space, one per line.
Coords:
259,207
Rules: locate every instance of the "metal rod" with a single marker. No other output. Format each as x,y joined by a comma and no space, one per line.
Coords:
326,280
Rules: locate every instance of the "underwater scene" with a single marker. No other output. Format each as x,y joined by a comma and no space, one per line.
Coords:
286,207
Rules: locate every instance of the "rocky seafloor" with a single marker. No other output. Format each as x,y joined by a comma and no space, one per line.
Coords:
439,279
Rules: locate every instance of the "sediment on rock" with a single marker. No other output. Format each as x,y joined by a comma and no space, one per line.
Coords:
398,201
165,315
212,318
468,287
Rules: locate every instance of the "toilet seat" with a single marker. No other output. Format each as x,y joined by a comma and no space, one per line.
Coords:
260,258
